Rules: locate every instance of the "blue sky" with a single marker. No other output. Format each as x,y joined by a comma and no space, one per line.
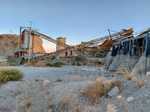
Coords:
77,20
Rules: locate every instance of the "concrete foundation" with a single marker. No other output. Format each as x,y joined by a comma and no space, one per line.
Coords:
128,63
116,62
142,65
109,60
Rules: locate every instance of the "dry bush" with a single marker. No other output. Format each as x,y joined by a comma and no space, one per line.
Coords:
63,105
128,75
101,88
3,64
27,64
140,83
58,80
57,64
27,103
40,64
77,107
96,90
117,83
12,64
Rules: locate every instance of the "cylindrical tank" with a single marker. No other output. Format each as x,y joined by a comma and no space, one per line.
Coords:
26,40
58,47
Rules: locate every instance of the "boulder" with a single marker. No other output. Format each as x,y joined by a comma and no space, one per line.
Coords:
148,73
119,96
129,99
114,92
46,83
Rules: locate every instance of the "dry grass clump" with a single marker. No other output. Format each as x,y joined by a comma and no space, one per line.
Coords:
77,107
140,83
128,76
27,64
100,88
58,80
63,105
94,91
57,64
3,64
117,83
39,64
48,64
7,64
27,103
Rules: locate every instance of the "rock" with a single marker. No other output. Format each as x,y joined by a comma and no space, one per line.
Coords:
148,101
46,83
148,73
111,108
114,92
119,97
129,99
50,110
92,109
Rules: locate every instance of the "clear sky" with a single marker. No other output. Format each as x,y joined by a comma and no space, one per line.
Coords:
77,20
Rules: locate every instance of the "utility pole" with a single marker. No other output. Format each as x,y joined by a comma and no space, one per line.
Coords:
29,46
31,22
20,41
109,33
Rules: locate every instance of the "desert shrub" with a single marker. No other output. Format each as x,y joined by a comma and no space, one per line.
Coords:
63,105
48,64
99,89
84,63
3,64
73,63
39,64
128,76
68,61
94,91
7,64
10,75
117,83
140,83
58,80
27,64
78,64
37,79
12,64
53,57
57,64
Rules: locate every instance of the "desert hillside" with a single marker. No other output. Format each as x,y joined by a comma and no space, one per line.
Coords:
9,44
